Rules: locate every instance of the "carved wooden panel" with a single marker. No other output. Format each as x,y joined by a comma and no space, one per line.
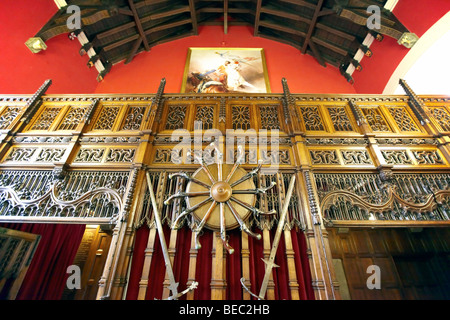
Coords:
442,117
176,117
312,118
133,117
107,118
356,157
16,251
340,119
9,114
46,118
375,119
240,117
428,157
396,157
403,119
35,154
324,157
21,154
269,117
90,155
105,155
72,118
205,114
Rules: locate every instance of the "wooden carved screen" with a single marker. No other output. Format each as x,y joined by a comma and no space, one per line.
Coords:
359,161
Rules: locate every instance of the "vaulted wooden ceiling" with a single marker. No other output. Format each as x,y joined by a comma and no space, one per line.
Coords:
332,31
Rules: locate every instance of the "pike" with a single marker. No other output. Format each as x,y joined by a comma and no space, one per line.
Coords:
270,263
173,286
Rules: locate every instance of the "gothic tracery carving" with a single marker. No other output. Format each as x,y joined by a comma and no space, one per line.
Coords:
46,119
107,118
72,118
241,117
133,118
375,120
8,116
442,116
340,119
269,117
403,120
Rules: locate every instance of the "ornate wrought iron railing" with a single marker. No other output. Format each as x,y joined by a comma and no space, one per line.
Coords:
403,197
79,197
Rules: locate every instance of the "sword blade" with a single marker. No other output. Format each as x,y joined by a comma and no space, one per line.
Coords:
173,284
270,264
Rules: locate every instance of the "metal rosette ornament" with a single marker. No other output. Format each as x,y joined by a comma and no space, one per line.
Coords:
220,197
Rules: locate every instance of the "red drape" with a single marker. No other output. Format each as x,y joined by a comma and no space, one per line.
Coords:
233,265
46,276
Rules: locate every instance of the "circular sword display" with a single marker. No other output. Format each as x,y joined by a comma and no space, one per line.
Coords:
220,197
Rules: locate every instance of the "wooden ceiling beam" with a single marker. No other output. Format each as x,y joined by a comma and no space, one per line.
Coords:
147,32
225,16
312,25
257,18
278,27
125,11
137,20
149,17
284,14
210,10
301,3
316,54
193,16
134,50
336,32
330,46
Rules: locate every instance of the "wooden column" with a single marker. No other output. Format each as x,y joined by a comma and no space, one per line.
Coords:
193,252
245,256
143,283
289,251
270,293
218,276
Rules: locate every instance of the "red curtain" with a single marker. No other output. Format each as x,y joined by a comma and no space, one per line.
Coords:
46,276
233,265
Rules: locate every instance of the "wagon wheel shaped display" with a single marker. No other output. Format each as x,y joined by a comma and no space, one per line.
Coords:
220,197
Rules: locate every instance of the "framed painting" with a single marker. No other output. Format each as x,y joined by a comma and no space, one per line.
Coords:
225,70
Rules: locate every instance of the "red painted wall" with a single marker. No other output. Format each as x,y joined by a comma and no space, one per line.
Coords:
23,72
418,16
143,74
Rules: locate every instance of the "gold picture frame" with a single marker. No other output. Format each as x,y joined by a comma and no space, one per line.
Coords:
225,70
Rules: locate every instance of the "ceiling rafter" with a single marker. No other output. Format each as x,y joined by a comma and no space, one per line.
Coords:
138,23
312,25
330,31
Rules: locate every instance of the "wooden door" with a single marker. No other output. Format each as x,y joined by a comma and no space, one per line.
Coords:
413,263
91,258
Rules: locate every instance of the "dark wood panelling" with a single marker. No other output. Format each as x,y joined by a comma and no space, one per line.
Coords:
413,262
